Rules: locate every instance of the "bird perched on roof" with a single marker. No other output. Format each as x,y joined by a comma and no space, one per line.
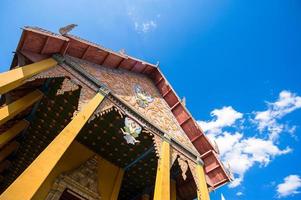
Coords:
66,29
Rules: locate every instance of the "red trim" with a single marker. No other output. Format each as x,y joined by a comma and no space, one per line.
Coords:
85,52
45,44
175,105
195,138
186,120
213,168
118,65
104,59
159,81
166,93
130,69
65,47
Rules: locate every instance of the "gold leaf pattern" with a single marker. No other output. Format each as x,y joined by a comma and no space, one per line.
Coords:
122,84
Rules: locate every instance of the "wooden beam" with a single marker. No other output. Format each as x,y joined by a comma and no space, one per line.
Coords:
186,120
168,91
213,168
104,59
14,78
119,63
136,63
65,47
45,45
196,138
11,110
162,186
11,133
85,52
144,69
27,184
159,81
7,150
175,105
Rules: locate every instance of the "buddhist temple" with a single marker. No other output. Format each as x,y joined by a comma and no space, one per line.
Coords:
81,122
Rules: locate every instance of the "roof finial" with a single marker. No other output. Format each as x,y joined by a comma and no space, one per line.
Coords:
66,29
183,101
122,51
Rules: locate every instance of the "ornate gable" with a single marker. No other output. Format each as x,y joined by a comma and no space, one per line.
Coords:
140,93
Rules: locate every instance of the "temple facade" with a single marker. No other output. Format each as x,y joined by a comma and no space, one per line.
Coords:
82,122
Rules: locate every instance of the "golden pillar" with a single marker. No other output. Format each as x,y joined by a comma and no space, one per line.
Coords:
110,179
11,110
203,193
14,78
13,132
26,185
162,187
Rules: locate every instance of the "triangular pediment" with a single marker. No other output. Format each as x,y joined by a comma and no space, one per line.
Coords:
139,93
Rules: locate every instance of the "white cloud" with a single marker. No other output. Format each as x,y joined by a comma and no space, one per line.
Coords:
268,120
239,194
245,152
142,22
146,26
241,152
222,197
223,117
289,187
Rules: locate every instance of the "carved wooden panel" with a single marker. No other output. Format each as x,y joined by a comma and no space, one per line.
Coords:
123,83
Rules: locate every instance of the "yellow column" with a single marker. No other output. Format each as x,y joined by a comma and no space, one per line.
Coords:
11,110
26,185
14,78
12,132
162,187
110,179
8,149
203,193
117,184
173,190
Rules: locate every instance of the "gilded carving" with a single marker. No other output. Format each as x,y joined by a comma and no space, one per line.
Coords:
157,143
82,180
87,89
149,104
143,98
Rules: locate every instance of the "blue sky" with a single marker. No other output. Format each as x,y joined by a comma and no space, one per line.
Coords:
237,63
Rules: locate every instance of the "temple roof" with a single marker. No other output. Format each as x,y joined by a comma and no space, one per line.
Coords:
37,44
